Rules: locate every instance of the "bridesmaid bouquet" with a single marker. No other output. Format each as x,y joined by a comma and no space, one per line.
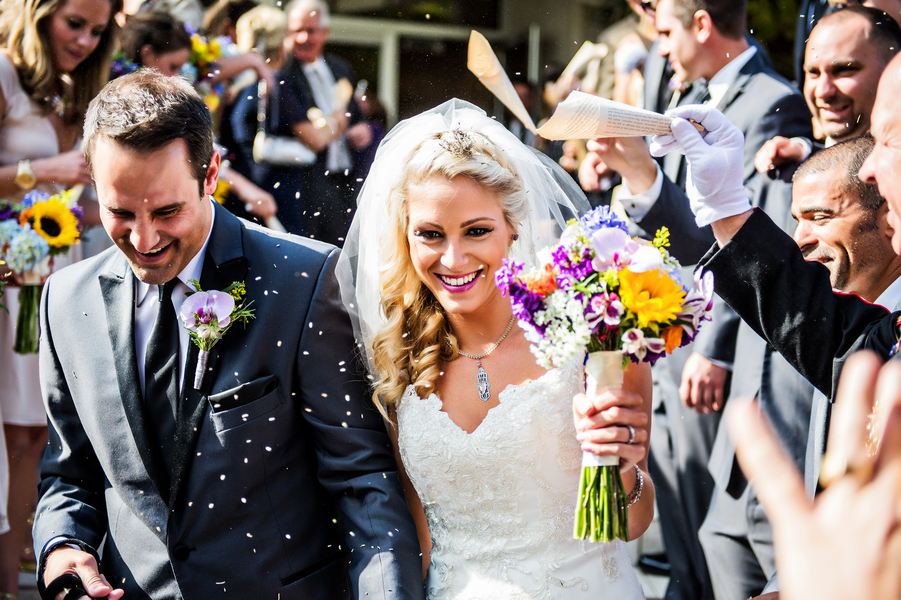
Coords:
201,65
619,299
32,232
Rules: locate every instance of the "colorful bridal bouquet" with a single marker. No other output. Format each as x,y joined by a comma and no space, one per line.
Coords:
619,299
32,232
209,315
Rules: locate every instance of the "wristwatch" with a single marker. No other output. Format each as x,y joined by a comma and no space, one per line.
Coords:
25,178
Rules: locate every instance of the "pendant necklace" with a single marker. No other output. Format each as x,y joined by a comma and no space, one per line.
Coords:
484,386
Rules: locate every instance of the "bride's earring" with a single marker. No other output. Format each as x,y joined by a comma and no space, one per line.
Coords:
514,237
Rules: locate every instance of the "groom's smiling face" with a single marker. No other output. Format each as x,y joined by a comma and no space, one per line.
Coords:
150,206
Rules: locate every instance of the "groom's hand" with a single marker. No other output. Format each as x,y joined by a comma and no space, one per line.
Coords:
715,184
63,559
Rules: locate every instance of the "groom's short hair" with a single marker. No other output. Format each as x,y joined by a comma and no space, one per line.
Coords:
146,111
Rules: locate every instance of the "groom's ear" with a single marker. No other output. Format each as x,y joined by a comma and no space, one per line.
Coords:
212,174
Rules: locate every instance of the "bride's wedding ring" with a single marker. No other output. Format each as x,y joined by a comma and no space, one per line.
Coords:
631,439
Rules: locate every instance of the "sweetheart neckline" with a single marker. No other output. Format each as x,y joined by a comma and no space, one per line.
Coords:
433,397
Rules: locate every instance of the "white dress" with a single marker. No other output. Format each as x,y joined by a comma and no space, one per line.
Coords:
500,501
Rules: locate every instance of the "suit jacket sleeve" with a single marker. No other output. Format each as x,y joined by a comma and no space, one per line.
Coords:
356,464
72,481
788,301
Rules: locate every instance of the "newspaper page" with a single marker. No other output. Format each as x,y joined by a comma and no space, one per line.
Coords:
484,64
583,116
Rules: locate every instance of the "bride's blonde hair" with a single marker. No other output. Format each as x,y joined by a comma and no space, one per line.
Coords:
416,336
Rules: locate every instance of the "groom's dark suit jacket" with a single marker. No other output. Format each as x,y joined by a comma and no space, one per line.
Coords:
284,484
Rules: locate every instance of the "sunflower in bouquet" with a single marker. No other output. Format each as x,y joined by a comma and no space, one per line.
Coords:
611,298
32,232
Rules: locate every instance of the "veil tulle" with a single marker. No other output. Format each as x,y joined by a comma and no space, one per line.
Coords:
553,196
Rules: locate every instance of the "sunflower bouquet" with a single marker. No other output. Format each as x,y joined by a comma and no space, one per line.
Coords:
619,299
32,232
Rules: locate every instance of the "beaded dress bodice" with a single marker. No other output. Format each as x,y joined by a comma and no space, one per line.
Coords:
500,501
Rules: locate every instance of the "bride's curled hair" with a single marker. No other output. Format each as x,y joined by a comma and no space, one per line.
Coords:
416,336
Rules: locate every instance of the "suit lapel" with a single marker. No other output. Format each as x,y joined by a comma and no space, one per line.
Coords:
753,66
223,264
118,289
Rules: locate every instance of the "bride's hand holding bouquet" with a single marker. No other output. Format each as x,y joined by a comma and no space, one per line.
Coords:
619,300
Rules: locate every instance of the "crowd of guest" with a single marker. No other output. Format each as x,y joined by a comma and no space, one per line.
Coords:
298,134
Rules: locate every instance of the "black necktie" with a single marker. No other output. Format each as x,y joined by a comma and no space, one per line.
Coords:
161,376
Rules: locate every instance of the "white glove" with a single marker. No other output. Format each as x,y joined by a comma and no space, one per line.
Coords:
715,182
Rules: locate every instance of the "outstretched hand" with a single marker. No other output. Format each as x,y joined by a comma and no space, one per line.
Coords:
715,183
846,543
779,152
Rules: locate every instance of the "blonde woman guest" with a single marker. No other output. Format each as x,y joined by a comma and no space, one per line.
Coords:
54,57
491,482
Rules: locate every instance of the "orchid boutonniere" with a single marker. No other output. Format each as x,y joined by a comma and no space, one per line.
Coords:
208,315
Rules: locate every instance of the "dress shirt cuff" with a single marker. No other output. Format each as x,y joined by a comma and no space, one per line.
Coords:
808,147
639,205
54,543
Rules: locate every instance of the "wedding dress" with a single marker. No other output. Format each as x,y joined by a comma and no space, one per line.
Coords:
500,501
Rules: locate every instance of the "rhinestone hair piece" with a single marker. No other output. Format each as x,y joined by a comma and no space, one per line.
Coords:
459,144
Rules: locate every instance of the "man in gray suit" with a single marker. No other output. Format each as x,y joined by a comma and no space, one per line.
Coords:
266,474
705,42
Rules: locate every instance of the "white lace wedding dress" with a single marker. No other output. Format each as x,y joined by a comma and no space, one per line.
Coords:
500,501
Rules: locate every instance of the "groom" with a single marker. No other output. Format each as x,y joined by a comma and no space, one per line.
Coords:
275,478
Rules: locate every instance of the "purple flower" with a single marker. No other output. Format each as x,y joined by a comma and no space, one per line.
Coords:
6,211
697,304
506,275
523,302
573,263
199,310
602,218
637,346
604,308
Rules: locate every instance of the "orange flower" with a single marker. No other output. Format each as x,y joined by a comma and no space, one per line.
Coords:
673,337
543,282
25,216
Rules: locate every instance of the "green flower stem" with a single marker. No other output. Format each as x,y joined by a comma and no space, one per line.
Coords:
27,322
601,511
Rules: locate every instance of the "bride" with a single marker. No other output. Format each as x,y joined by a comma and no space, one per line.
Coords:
484,437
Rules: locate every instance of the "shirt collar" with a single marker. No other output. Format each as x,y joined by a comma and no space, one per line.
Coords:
891,297
191,271
316,65
725,77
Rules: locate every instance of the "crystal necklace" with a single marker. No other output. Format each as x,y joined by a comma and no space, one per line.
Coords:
484,386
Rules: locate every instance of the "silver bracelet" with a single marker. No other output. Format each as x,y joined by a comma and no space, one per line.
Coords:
635,495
